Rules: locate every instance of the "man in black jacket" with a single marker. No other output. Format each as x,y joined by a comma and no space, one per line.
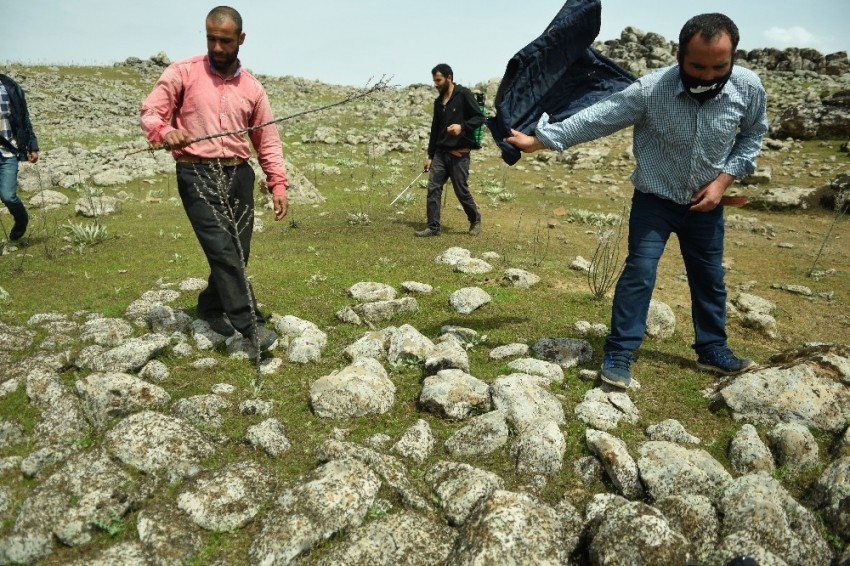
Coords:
17,143
456,116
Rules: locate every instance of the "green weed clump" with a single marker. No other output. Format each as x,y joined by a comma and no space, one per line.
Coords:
83,235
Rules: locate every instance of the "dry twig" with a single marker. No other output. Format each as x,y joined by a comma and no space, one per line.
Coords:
380,86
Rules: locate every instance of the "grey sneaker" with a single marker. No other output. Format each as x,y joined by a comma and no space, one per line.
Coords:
427,232
265,337
220,326
475,228
724,362
616,369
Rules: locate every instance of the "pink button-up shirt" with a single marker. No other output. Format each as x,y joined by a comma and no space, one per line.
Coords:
189,96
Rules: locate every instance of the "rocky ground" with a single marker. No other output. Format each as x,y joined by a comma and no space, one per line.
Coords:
667,502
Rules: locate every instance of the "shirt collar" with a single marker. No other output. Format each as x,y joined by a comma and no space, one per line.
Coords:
235,73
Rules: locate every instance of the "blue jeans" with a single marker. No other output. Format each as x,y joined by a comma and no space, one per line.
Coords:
8,188
700,234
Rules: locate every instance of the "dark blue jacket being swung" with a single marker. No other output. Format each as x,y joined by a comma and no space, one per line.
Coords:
558,73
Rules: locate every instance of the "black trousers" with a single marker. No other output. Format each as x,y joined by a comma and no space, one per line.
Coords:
215,198
445,166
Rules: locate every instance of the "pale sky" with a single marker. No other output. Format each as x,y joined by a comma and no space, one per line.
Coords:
352,41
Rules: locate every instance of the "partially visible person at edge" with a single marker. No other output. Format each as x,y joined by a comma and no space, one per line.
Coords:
17,143
210,94
698,126
456,117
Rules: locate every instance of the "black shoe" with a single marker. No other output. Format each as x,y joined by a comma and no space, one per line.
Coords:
427,232
265,338
616,369
220,326
724,362
475,228
18,231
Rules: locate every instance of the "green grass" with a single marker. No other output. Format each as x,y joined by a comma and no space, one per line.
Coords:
305,270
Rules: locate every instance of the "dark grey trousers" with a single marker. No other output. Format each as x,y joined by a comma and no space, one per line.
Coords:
228,291
446,166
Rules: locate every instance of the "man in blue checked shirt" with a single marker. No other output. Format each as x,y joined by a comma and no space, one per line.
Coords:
17,143
698,126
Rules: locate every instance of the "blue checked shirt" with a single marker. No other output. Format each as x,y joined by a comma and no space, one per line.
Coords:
679,145
5,125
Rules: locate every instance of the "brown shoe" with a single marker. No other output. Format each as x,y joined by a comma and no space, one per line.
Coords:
426,233
475,228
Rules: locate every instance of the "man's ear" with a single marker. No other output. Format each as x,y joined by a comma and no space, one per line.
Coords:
241,38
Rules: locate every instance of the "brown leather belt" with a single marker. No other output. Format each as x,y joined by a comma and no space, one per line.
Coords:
222,161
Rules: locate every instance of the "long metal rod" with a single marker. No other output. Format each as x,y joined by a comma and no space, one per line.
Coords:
408,186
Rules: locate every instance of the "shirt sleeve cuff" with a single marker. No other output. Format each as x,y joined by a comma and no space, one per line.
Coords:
540,133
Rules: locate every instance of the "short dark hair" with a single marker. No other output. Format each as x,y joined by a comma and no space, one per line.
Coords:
443,69
221,13
711,26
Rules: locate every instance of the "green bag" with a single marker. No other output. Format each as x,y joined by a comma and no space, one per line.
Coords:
478,134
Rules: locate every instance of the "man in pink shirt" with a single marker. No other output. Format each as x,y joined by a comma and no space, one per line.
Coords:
207,95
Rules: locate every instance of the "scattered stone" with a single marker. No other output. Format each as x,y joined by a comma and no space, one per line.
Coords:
269,435
669,469
152,442
408,345
448,353
414,287
469,299
106,396
460,488
203,410
539,448
501,532
386,310
641,533
618,463
406,538
525,399
454,394
417,442
227,499
660,320
255,407
757,508
359,389
550,371
566,352
370,345
671,430
521,278
748,454
167,534
795,446
789,394
695,518
453,255
589,469
473,266
369,292
483,435
332,497
508,351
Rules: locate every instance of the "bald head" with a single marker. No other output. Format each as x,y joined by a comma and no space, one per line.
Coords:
221,14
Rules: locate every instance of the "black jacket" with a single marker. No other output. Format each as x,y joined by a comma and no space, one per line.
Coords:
558,73
19,119
460,109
